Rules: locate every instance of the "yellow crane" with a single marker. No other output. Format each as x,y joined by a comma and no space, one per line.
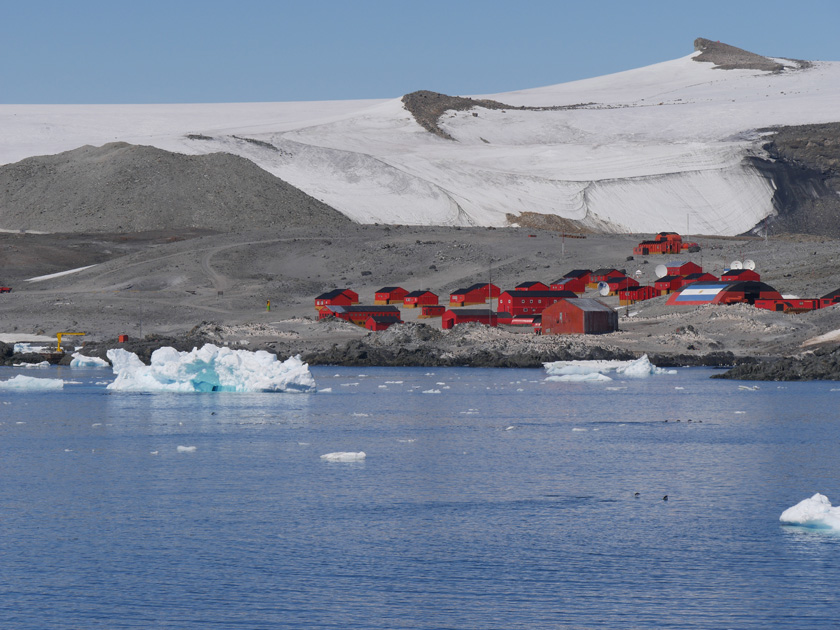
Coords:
60,335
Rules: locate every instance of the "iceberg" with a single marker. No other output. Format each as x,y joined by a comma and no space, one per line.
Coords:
586,370
79,360
209,369
32,384
342,456
815,512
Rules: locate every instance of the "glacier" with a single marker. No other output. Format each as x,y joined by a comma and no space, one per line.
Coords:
815,512
665,147
209,369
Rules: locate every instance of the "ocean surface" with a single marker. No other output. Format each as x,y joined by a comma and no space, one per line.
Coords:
488,498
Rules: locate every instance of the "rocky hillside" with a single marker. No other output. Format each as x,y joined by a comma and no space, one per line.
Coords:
127,188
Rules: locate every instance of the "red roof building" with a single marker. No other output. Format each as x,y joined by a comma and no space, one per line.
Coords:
475,294
389,295
481,315
699,277
381,322
578,316
530,302
631,295
830,298
336,297
420,298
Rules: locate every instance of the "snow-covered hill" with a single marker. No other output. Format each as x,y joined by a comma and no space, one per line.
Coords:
665,147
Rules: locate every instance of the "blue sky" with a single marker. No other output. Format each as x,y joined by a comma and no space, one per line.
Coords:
150,51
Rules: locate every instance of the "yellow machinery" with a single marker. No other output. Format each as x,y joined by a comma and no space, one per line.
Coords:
60,335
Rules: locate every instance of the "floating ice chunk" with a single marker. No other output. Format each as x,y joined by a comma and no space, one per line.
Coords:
640,368
394,382
407,440
187,449
510,428
360,415
79,360
592,377
209,369
431,391
815,512
326,390
30,383
342,456
578,429
42,364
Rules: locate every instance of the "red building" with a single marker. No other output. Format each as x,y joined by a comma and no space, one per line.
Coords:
669,284
481,315
604,275
578,316
680,268
632,295
431,310
619,283
381,322
531,286
336,297
530,302
358,314
389,295
788,305
830,298
576,280
740,275
664,243
420,298
475,294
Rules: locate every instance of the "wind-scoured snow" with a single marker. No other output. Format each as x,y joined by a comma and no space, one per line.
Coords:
209,369
816,512
650,149
598,370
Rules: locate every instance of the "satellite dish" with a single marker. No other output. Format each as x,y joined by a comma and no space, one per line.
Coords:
749,264
638,274
603,289
661,271
736,264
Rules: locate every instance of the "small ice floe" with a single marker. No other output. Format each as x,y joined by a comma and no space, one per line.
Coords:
153,452
470,412
394,382
32,384
431,391
748,388
96,424
679,387
68,450
640,368
579,429
519,389
342,456
614,389
360,415
187,449
407,440
325,390
440,383
815,512
349,384
383,387
42,364
79,360
510,428
592,377
303,443
740,412
430,373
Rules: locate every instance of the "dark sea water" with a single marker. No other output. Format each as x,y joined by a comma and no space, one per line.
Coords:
501,501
